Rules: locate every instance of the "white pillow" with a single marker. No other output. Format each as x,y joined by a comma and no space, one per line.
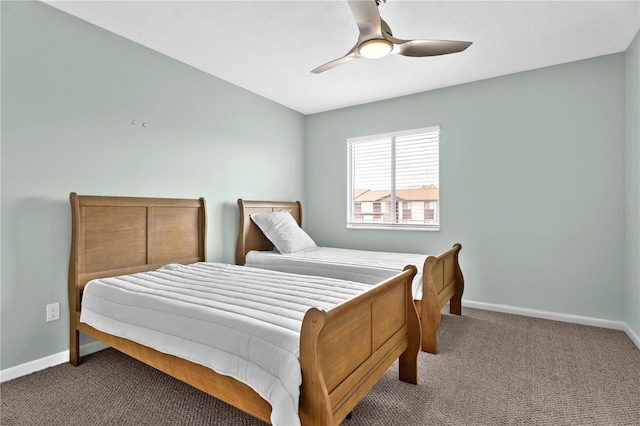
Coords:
283,231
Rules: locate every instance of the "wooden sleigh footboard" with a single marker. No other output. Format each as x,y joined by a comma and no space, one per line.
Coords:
442,283
344,351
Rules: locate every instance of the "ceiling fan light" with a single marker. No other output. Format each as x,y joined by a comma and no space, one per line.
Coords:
376,48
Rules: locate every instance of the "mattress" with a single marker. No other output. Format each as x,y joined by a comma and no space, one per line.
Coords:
364,266
241,322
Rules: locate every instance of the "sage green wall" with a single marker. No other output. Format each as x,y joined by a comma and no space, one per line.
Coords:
69,94
632,158
531,165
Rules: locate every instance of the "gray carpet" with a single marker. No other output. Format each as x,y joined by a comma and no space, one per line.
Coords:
493,369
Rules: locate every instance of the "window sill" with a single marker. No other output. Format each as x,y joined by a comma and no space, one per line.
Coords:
394,227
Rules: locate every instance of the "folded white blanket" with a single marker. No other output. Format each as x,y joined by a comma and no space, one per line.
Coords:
241,322
358,265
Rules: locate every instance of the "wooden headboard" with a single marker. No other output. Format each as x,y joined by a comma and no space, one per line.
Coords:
113,236
250,237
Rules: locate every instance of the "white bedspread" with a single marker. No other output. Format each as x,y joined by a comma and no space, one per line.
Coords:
241,322
357,265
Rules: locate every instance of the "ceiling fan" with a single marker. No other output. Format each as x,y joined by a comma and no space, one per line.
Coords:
376,40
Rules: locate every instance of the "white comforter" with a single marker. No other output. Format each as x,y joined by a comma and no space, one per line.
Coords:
363,266
241,322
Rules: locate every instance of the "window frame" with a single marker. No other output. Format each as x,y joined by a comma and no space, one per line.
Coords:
397,224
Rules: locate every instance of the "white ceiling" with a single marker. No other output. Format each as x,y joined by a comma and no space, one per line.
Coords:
270,47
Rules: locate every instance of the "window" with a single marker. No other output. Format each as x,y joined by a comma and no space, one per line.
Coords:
407,214
393,180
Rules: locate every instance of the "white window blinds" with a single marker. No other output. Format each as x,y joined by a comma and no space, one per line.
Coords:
393,180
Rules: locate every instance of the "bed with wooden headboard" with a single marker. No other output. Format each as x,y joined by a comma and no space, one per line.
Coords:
442,279
112,236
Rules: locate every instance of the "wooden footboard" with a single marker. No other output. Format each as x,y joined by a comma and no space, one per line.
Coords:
442,283
343,351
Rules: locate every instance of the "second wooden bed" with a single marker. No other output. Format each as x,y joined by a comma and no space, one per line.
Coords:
442,279
344,351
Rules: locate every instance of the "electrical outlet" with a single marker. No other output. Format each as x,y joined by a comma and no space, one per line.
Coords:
53,312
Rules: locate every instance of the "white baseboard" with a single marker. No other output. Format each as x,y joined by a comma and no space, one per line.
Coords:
48,361
633,336
62,357
575,319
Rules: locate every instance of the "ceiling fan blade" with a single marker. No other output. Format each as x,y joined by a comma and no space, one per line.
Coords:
367,17
353,54
420,48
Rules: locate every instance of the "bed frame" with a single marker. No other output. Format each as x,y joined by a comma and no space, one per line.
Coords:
443,281
344,351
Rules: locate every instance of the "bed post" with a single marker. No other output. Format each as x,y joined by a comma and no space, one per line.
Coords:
240,250
408,362
442,283
455,304
315,406
430,314
74,334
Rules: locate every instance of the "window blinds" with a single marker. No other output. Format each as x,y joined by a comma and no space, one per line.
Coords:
393,171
